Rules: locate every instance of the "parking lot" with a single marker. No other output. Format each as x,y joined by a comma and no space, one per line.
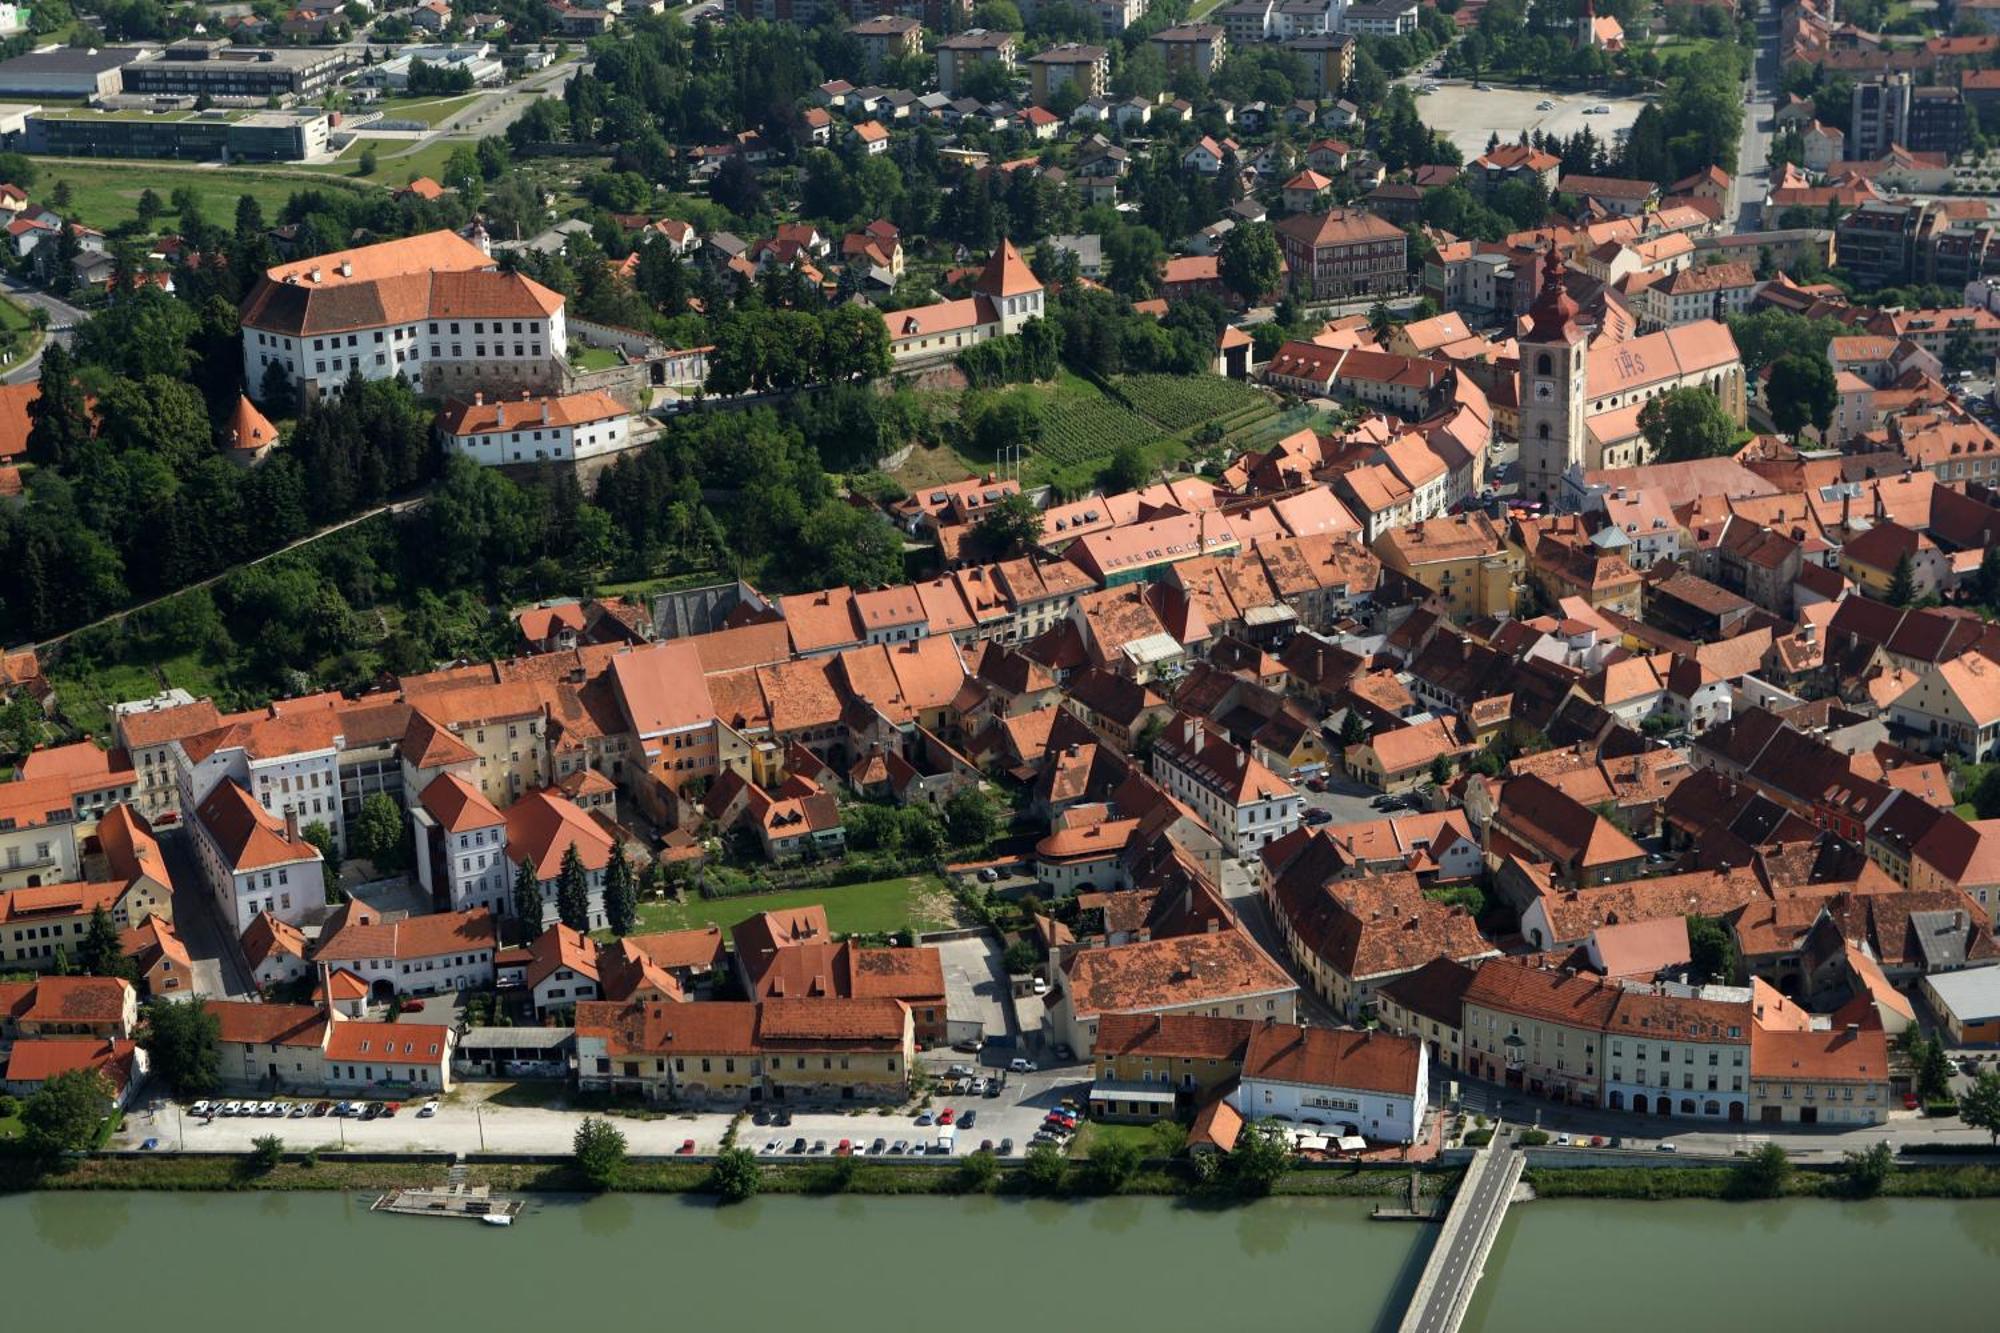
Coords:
1469,117
491,1117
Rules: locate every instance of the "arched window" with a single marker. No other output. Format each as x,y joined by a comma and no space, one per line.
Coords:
1543,365
1542,431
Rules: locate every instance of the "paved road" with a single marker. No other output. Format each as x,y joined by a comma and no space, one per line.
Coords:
1454,1267
62,317
216,954
1753,181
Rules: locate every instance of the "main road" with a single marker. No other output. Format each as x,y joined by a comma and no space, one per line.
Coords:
1455,1265
62,317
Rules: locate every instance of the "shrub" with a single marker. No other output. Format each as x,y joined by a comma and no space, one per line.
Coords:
1047,1170
734,1177
267,1150
600,1152
1479,1138
1535,1138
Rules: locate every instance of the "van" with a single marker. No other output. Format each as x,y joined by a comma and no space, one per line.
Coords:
947,1140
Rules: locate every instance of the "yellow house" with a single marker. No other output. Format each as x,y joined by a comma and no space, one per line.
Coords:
1836,1076
795,1050
1463,558
1150,1066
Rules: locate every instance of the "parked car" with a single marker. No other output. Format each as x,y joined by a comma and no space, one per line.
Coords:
760,1117
773,1147
201,1107
390,1108
300,1110
844,1148
1006,1147
687,1148
798,1147
782,1118
819,1145
1665,1147
946,1116
968,1120
1021,1066
321,1108
925,1119
877,1148
1318,816
1545,105
427,1110
899,1147
992,1088
970,1045
369,1110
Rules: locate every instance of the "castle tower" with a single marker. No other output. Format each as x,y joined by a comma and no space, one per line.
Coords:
1553,387
1012,286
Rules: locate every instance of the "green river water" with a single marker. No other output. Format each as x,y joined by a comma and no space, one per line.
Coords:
300,1263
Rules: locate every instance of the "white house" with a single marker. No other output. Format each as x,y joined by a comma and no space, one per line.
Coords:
289,763
462,845
253,861
1369,1083
1243,802
418,955
364,1056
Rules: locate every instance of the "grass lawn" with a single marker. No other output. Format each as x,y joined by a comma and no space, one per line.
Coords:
874,908
10,1127
86,699
14,320
397,162
593,358
429,110
1146,1138
107,193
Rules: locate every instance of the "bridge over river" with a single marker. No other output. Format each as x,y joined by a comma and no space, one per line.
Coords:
1459,1257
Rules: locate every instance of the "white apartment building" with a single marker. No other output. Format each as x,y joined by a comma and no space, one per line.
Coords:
462,844
290,764
431,308
1243,803
253,861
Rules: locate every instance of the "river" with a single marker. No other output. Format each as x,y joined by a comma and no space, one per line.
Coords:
300,1263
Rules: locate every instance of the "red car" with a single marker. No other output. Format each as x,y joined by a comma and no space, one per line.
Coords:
687,1147
1909,1101
846,1148
946,1116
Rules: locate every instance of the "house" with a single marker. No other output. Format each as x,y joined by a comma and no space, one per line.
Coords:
1429,1005
270,1046
1070,64
275,952
1199,48
1539,1029
253,861
411,1058
542,829
1583,846
1369,1083
416,955
732,1052
1351,937
1220,974
1305,192
872,135
1967,1003
566,428
1837,1075
957,54
1343,254
1006,295
166,969
1155,1066
1401,758
120,1063
1240,799
1953,708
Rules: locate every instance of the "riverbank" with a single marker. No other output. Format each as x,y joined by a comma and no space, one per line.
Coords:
331,1171
1930,1181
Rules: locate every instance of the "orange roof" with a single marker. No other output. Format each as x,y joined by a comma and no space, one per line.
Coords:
357,931
251,837
66,900
33,1061
542,826
1828,1056
357,1042
1170,973
1333,1058
570,409
78,1000
663,687
267,936
248,1023
1007,274
250,429
423,187
433,251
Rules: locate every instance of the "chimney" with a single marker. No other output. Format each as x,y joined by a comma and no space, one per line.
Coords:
479,398
500,414
316,275
291,826
545,411
346,269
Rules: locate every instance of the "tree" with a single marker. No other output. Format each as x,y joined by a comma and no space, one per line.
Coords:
1260,1159
58,421
1113,1163
855,547
1987,584
978,1171
1021,958
1933,1070
1903,582
100,954
1868,1169
1380,321
1980,1106
599,1147
63,1115
321,837
277,392
734,1178
1712,951
1009,527
1686,423
573,892
366,165
1046,1169
377,832
528,900
1801,393
1128,470
621,894
1763,1174
1249,261
267,1150
1353,729
968,818
183,1040
1440,770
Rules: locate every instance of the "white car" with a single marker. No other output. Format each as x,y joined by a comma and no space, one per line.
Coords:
1599,110
1021,1066
427,1110
203,1107
1545,105
270,1109
232,1108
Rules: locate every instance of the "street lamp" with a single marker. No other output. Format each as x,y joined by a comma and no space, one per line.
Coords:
479,1116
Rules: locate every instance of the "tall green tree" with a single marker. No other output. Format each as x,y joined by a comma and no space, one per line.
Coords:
99,954
527,900
183,1039
1980,1106
1713,951
58,421
600,1152
621,894
1801,392
377,833
1249,261
573,892
1903,582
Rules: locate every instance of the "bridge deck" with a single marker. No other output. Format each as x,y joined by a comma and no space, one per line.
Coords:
1459,1257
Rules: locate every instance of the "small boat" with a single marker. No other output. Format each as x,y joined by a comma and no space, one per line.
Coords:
496,1219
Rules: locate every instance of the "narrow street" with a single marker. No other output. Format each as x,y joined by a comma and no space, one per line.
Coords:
1753,159
214,950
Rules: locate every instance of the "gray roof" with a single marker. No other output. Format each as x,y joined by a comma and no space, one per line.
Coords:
1940,937
71,60
488,1039
1972,996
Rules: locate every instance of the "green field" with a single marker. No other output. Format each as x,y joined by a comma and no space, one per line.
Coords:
396,163
875,908
593,358
429,110
106,193
86,698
